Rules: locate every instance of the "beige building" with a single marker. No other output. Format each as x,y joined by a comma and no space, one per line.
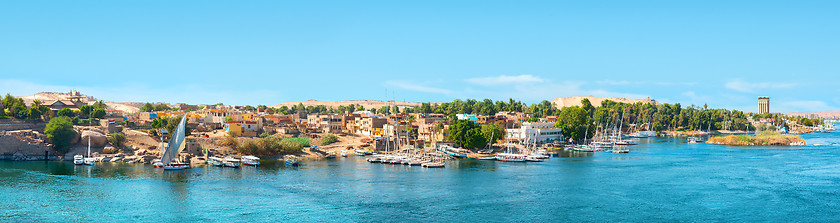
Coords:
763,105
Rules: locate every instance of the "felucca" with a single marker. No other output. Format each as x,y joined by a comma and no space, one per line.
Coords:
176,145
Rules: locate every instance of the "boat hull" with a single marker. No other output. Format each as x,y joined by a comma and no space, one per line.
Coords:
177,166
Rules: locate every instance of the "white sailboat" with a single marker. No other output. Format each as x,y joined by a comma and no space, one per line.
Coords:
175,146
85,160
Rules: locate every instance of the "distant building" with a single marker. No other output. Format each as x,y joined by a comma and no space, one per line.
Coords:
763,105
539,132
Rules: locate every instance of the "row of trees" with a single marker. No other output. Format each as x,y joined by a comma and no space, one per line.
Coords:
469,134
575,121
16,108
149,107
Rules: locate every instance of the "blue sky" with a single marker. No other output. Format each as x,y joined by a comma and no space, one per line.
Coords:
724,53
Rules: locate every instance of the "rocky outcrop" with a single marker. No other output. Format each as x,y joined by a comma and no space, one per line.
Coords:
25,146
97,139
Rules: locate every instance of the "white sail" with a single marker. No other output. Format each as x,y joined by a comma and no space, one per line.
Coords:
176,143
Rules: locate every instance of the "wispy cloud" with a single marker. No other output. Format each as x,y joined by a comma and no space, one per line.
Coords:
416,87
504,79
642,83
753,87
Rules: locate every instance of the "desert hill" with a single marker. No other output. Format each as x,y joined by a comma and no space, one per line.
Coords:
562,102
334,104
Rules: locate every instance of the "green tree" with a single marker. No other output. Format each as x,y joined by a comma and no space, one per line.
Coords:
574,122
148,107
492,132
100,104
65,112
34,113
99,113
117,140
328,139
86,110
162,107
467,134
60,132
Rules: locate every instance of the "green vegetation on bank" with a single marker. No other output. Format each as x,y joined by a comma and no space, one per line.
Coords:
575,121
60,132
267,146
766,138
329,139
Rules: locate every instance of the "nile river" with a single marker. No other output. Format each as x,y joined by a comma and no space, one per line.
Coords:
661,180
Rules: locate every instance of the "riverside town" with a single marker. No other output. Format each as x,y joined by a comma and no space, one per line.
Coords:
419,111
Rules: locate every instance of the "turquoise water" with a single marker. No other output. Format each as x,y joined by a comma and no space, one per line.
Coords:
659,181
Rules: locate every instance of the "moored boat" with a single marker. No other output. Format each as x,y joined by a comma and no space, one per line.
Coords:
174,147
215,161
330,155
79,160
250,160
231,162
290,160
510,157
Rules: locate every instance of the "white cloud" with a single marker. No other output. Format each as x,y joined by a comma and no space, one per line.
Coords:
416,87
642,83
753,87
504,79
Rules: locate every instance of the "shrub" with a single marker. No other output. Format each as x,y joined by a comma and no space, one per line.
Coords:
264,135
60,132
328,139
304,142
229,141
117,140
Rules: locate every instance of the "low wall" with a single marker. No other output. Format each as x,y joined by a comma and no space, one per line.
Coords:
12,126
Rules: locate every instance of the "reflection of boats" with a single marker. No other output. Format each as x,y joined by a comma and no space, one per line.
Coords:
510,157
621,150
231,162
215,161
290,160
251,160
175,146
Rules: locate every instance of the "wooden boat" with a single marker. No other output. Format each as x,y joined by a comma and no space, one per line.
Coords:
175,146
487,158
79,160
290,160
231,162
330,155
215,161
433,165
250,160
510,157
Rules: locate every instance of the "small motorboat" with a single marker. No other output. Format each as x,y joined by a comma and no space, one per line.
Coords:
231,162
511,157
215,161
291,160
533,159
433,165
176,166
343,154
250,160
79,160
360,153
330,155
487,158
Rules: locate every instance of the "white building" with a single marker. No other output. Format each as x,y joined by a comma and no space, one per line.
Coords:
542,132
